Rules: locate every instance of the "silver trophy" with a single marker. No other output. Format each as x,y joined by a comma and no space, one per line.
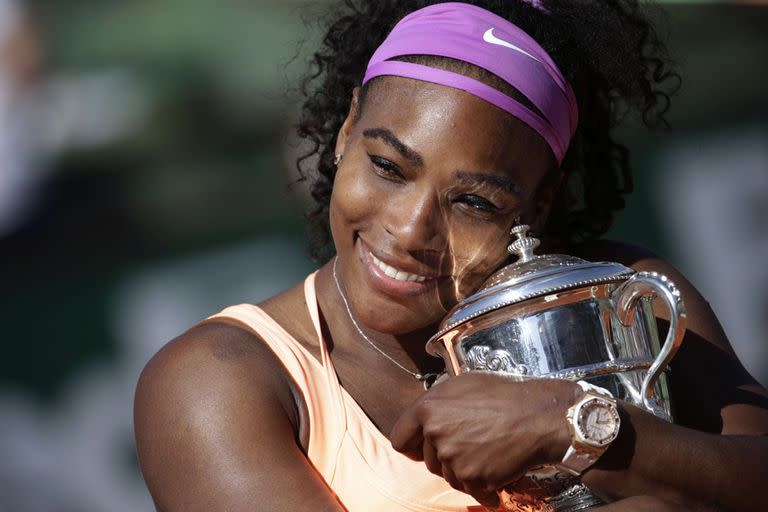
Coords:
556,316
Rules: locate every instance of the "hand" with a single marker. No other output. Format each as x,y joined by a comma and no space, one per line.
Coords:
482,431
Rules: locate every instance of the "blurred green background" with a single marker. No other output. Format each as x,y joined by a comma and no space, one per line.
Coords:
146,158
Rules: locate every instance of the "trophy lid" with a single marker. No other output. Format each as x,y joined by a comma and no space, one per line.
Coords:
529,277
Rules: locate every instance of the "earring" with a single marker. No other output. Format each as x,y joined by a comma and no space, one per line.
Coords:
337,159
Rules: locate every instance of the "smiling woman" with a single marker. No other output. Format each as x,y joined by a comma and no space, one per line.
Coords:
435,128
413,197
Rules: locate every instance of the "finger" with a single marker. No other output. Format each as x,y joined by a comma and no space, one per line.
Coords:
484,493
450,477
406,435
429,455
489,500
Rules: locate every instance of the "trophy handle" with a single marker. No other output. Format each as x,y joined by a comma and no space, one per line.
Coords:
625,298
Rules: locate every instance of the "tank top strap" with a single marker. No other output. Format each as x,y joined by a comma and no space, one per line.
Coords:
332,379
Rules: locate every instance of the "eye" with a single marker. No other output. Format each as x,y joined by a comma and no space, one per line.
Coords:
478,203
385,168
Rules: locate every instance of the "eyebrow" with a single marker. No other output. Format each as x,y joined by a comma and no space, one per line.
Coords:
389,137
504,183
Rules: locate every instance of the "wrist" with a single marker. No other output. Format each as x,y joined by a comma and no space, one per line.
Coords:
593,423
558,440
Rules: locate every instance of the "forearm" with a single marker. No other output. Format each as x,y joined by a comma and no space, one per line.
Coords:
702,471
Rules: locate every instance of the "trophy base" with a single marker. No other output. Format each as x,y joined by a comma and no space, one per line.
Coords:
548,490
575,499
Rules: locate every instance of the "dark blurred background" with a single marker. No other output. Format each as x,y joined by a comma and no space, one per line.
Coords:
146,154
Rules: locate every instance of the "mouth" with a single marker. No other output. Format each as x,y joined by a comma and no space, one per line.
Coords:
391,278
398,275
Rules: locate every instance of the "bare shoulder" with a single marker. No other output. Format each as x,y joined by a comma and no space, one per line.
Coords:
643,259
214,359
628,254
701,319
202,374
210,407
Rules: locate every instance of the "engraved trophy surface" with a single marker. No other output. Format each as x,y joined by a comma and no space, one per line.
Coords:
556,316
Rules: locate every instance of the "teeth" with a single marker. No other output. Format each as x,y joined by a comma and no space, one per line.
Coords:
398,275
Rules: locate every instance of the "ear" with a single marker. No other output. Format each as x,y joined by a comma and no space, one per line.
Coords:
546,193
346,128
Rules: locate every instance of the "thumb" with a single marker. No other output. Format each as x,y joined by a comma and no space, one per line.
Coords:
406,435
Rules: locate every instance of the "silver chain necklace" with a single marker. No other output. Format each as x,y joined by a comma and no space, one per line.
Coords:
427,378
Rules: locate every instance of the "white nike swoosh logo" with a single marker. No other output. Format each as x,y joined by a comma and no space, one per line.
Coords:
488,37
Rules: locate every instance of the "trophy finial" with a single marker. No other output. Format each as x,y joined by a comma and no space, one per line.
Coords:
524,245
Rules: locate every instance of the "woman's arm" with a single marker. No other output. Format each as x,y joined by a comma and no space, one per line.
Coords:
216,428
702,471
718,461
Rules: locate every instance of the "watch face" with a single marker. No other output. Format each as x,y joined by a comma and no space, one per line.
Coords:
598,422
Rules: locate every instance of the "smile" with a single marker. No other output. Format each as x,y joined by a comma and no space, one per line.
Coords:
394,273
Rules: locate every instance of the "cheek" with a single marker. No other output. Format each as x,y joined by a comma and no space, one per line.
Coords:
476,254
353,202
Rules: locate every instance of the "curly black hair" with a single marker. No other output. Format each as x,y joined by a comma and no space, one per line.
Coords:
606,49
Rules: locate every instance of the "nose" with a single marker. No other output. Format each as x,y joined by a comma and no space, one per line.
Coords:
417,222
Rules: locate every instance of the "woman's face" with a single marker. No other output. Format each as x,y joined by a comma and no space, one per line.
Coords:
431,180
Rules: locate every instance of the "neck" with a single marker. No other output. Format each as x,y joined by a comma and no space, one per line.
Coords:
381,349
412,346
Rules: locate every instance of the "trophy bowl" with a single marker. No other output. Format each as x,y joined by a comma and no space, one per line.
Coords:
557,316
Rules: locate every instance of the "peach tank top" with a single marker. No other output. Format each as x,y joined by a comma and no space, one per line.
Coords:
356,460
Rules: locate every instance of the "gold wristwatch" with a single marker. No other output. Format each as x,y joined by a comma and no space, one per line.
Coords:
594,424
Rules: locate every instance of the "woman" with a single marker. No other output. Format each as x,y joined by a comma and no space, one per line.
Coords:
436,129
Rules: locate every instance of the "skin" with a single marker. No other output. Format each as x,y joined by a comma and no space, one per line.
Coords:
431,186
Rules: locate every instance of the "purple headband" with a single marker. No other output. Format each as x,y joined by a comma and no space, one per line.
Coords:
472,34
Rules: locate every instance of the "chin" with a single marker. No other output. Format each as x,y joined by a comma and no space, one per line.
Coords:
404,321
